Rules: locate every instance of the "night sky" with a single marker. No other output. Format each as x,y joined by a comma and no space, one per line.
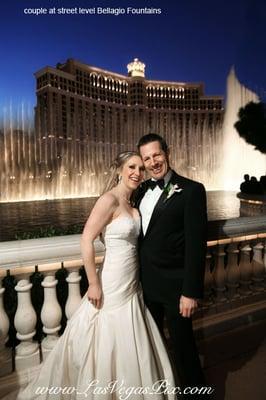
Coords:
191,40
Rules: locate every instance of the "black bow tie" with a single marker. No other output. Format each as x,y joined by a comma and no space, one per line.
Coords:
152,184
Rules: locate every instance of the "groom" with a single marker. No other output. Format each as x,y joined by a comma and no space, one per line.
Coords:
172,250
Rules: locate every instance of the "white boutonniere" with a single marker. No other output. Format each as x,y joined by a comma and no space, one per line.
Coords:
170,189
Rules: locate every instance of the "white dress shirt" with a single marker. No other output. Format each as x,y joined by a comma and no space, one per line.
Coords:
149,201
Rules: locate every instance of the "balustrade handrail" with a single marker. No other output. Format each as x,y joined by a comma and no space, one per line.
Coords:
58,249
72,259
236,239
234,227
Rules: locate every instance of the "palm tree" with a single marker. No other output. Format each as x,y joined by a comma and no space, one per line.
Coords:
252,125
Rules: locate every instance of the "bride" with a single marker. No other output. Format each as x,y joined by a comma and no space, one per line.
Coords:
111,347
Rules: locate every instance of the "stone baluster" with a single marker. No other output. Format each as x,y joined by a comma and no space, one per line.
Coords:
233,272
219,275
27,352
74,297
5,353
265,256
208,282
51,314
245,269
258,270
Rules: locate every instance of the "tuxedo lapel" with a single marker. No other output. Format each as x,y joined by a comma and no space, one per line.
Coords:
137,200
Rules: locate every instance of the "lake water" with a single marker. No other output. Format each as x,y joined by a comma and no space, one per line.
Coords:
17,218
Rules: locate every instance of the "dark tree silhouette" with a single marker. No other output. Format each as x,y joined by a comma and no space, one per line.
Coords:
252,125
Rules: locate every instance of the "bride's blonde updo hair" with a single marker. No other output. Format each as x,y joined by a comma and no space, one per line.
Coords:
116,167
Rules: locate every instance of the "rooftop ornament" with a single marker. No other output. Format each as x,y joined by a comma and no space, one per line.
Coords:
136,68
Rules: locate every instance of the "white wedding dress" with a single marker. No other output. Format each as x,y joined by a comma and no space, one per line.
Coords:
115,352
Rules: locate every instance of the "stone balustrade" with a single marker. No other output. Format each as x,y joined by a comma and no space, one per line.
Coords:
235,277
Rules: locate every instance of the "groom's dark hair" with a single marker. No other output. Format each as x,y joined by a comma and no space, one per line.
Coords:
153,137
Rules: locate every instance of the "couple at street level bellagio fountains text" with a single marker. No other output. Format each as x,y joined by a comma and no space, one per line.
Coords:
154,233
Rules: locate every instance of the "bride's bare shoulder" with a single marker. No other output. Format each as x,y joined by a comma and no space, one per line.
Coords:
108,199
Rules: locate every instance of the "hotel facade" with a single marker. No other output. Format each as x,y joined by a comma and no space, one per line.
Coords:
79,106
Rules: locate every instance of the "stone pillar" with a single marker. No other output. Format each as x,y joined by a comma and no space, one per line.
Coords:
265,254
74,297
264,261
245,270
258,269
51,314
233,272
5,352
208,282
219,275
27,352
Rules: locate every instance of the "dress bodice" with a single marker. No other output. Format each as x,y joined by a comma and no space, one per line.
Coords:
122,231
119,273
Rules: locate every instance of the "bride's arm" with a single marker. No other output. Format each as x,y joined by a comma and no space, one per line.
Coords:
100,216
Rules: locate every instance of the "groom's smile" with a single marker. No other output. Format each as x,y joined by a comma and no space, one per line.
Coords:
155,159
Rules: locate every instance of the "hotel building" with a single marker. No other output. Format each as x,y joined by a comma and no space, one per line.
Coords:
81,104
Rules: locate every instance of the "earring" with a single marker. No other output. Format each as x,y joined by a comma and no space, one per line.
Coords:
119,178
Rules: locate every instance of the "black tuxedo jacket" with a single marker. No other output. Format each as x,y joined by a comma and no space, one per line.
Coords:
172,252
